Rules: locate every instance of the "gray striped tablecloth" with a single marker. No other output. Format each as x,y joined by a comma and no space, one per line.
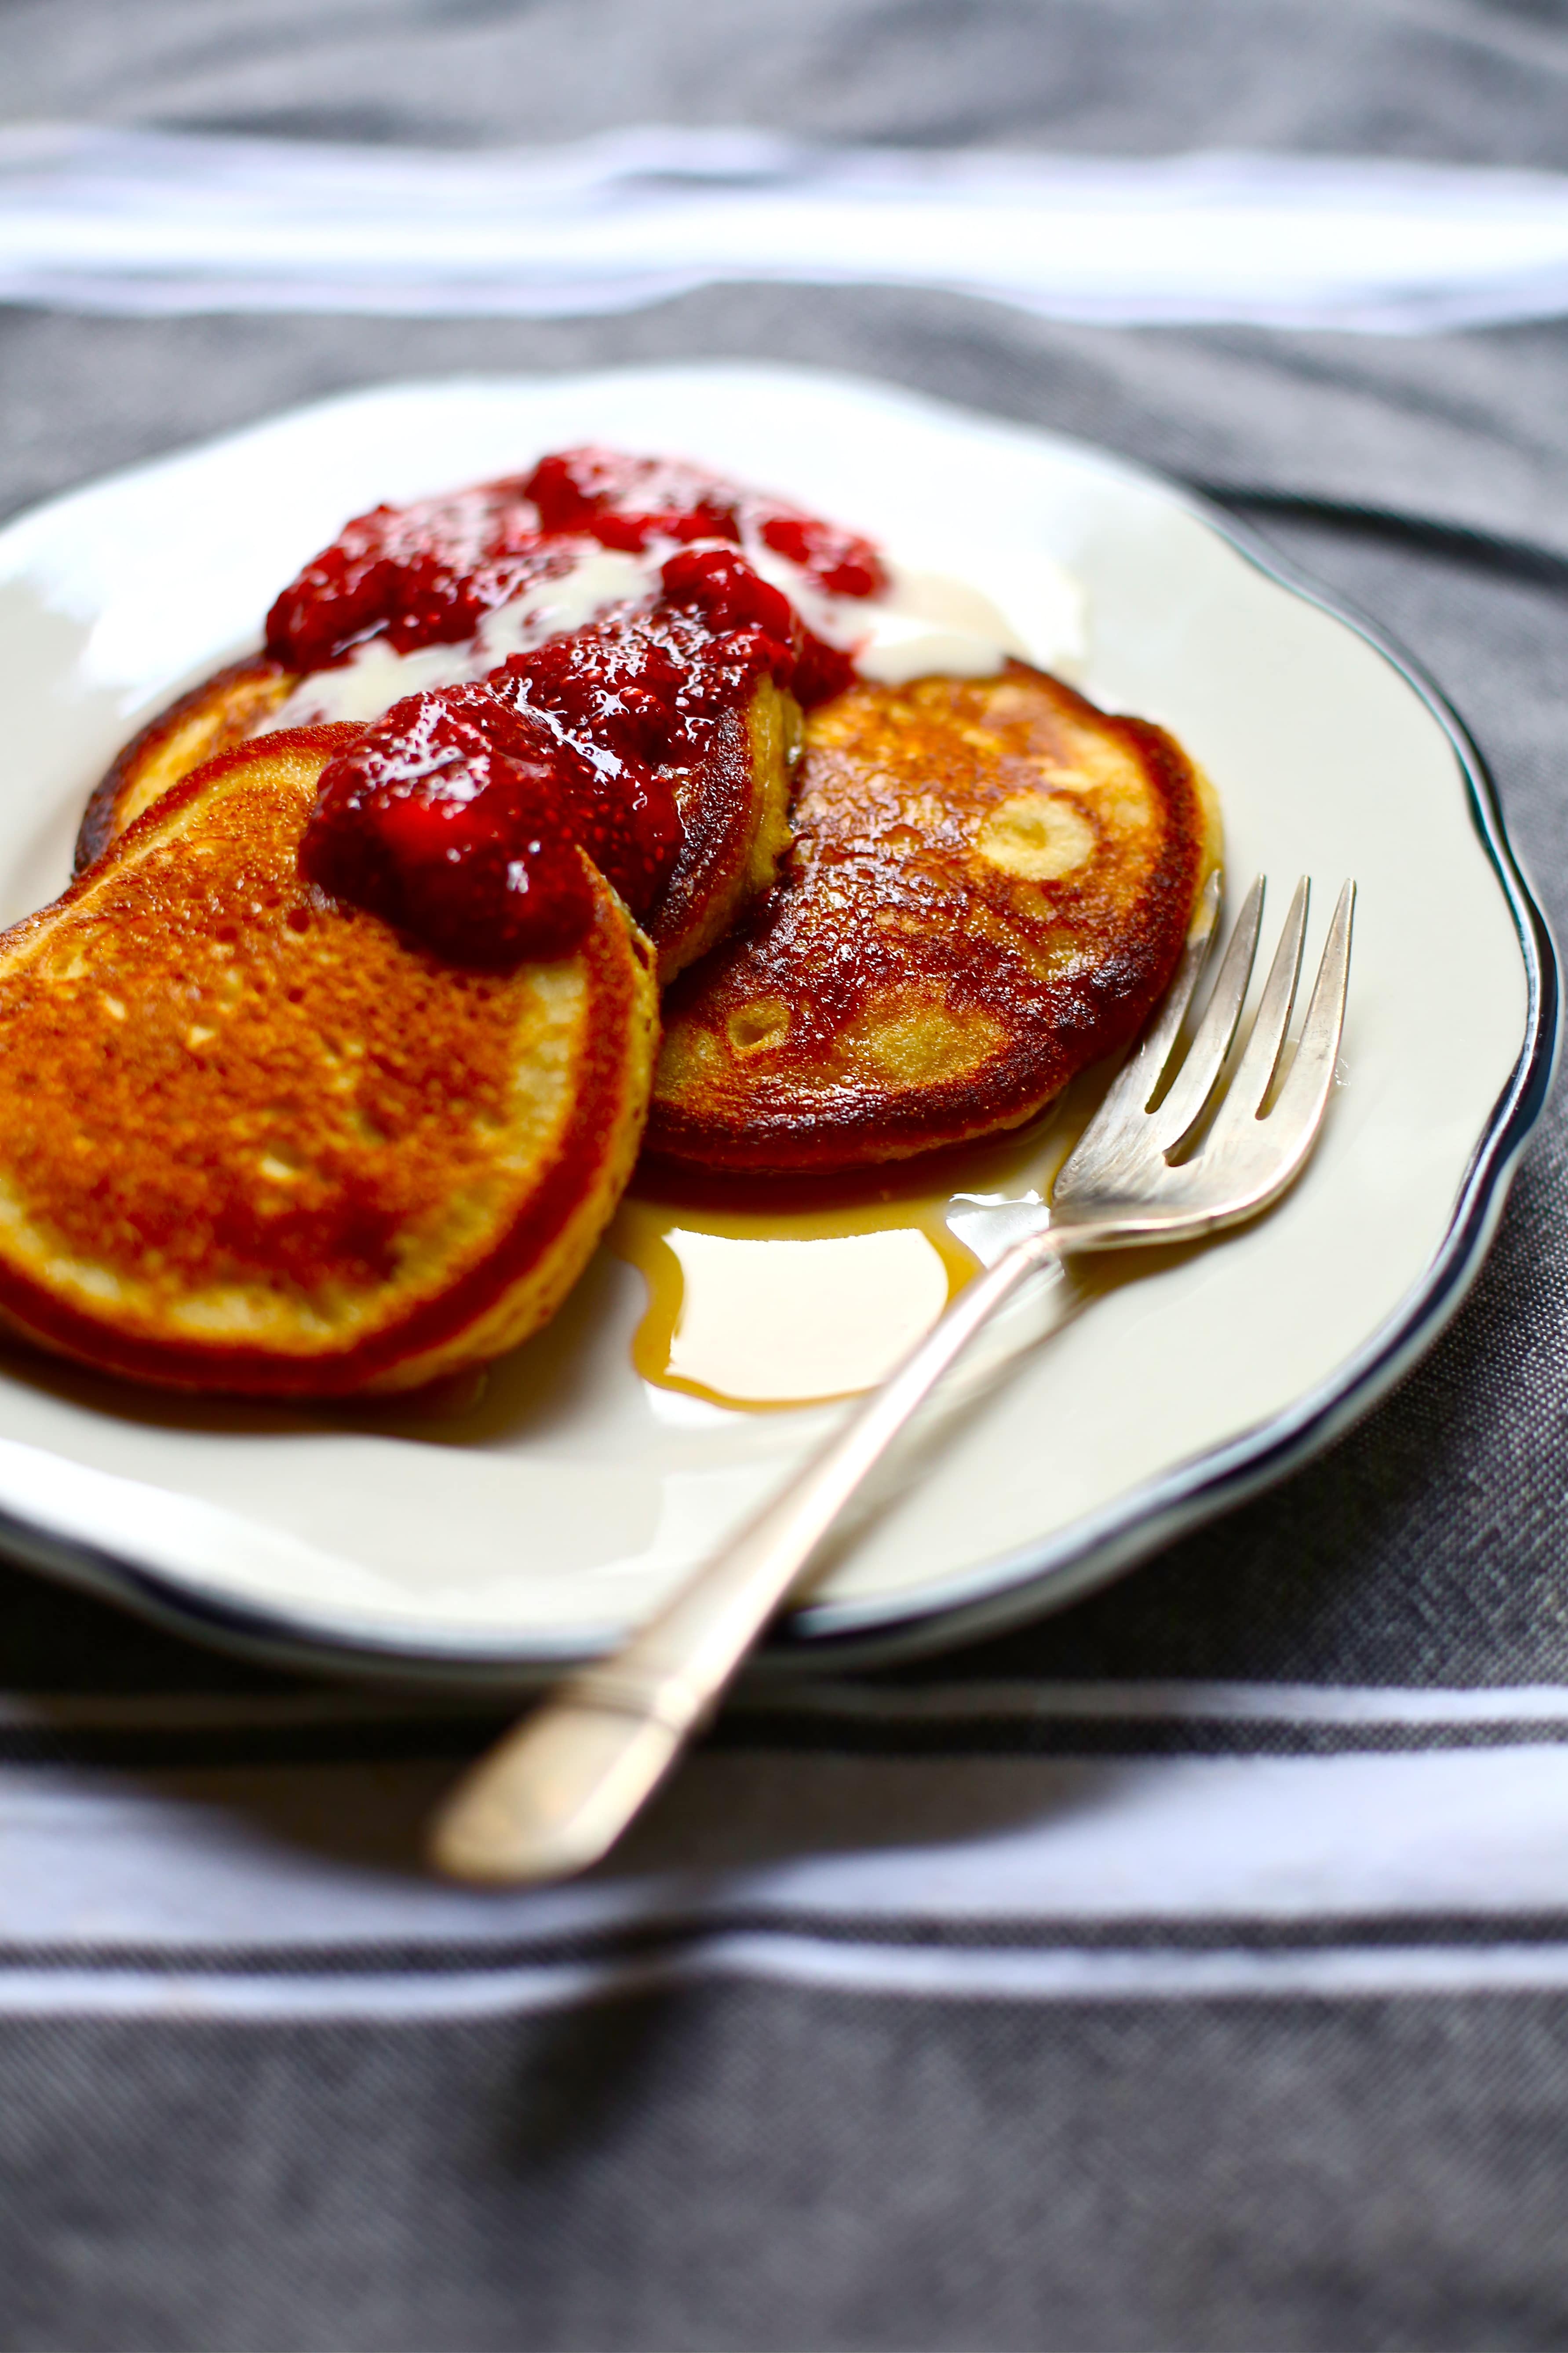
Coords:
1190,1970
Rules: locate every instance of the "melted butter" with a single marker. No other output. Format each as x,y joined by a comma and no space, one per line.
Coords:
763,1294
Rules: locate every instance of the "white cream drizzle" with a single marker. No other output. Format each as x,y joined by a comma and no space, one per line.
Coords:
930,623
373,677
592,587
369,682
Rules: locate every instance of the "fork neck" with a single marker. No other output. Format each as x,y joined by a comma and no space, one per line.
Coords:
1066,1235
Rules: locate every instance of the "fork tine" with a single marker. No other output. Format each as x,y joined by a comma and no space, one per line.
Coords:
1294,1119
1202,935
1195,1082
1119,1124
1145,1066
1249,1090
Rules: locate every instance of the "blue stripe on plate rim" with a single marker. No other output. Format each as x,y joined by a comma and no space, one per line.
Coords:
1039,1577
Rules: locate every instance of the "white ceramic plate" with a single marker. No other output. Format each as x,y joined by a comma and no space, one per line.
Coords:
540,1526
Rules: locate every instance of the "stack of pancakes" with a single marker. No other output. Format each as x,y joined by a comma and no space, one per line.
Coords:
258,1141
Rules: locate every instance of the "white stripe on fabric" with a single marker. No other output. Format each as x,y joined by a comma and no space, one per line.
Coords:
139,221
1339,1973
262,1859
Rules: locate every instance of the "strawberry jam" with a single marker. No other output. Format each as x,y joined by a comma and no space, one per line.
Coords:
629,502
425,574
462,813
428,821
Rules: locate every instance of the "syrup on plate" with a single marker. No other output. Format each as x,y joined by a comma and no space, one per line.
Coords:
764,1295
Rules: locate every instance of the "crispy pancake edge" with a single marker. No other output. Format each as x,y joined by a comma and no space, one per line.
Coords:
209,719
734,813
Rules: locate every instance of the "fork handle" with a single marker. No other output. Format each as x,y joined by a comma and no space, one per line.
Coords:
557,1792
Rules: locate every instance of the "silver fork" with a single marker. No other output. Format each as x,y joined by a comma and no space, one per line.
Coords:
557,1792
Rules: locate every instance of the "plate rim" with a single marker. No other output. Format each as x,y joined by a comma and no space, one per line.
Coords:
1034,1579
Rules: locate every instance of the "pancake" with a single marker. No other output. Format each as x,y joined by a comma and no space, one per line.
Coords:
226,709
254,1141
990,886
735,819
732,803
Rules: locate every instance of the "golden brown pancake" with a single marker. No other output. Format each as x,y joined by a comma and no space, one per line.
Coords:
734,817
732,803
990,885
254,1141
226,709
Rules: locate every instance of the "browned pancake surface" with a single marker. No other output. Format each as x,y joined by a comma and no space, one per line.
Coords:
221,711
990,885
253,1140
